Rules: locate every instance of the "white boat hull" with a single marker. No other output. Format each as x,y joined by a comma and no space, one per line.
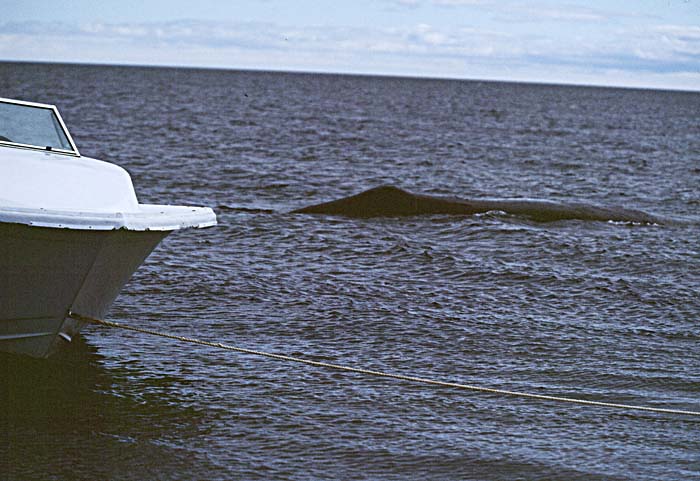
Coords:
47,272
71,230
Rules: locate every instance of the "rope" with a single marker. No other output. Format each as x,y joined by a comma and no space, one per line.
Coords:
402,377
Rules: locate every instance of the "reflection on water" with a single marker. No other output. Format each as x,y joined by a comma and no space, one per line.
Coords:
61,416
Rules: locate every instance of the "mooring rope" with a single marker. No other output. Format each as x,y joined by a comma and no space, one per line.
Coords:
403,377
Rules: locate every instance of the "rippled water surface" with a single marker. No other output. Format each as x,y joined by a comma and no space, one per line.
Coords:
594,310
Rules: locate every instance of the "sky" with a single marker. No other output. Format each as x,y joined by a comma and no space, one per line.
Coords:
641,43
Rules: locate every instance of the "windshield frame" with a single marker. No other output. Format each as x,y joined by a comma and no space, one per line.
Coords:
43,148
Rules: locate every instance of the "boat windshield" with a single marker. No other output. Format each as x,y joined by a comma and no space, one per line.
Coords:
31,125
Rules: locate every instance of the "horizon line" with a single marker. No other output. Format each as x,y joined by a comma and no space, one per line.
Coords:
543,83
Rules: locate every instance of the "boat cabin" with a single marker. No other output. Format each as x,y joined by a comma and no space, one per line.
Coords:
31,125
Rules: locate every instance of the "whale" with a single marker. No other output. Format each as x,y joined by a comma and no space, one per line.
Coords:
391,201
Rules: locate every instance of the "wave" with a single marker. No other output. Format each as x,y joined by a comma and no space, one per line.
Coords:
251,210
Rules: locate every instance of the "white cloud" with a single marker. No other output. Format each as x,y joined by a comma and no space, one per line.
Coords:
683,40
666,51
665,48
458,3
575,15
558,12
412,4
406,3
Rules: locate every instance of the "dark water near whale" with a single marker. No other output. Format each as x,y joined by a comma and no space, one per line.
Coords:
603,311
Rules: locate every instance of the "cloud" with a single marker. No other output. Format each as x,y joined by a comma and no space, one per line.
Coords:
526,11
413,4
405,3
665,50
421,38
458,3
562,13
571,14
681,40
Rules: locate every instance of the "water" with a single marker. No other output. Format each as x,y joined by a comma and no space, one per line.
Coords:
603,311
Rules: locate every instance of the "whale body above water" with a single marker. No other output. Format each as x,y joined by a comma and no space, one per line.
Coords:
389,201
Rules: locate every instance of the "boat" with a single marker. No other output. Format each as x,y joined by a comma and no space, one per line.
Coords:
72,231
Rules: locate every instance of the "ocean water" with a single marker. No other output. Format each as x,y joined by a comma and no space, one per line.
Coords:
596,310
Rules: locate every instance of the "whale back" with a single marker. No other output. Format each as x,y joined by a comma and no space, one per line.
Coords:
390,201
386,201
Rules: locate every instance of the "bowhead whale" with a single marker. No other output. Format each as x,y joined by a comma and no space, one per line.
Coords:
389,201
